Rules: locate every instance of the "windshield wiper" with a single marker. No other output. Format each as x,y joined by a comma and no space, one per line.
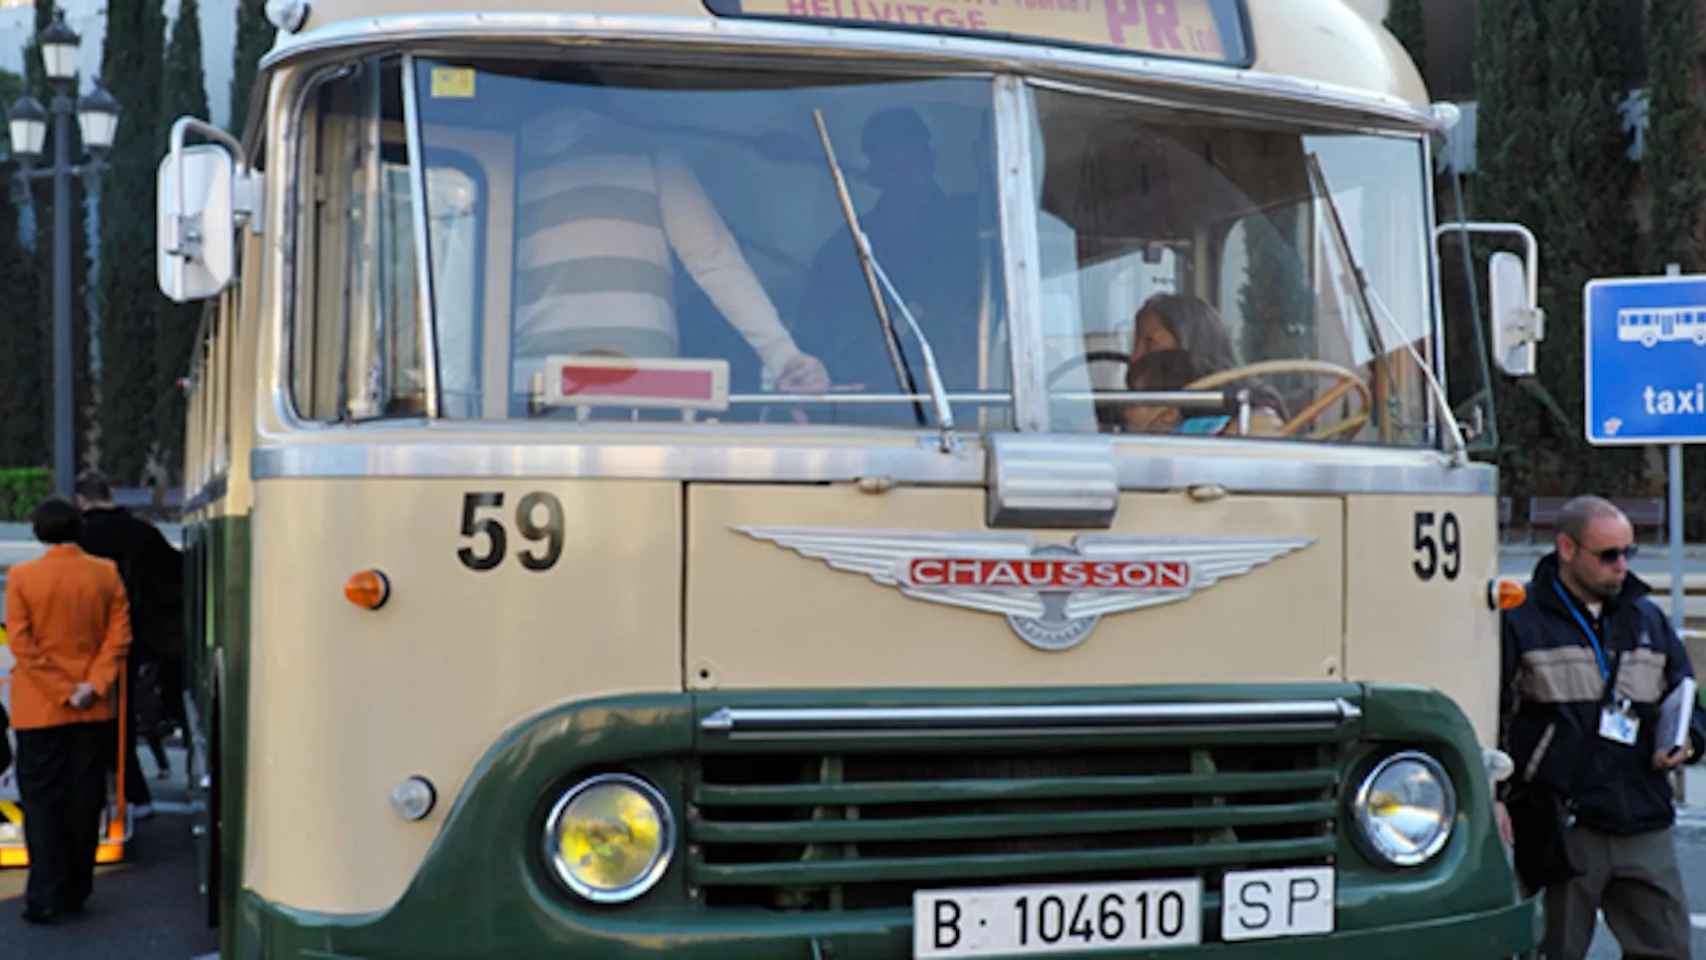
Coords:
1373,309
874,275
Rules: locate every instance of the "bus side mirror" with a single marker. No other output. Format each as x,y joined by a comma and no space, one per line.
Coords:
204,194
1518,323
196,230
1513,284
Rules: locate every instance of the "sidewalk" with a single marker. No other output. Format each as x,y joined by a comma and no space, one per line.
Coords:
1694,790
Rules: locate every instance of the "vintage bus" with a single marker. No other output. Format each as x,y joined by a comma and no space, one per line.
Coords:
839,479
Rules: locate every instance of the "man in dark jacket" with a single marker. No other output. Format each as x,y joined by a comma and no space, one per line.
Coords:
1587,661
152,570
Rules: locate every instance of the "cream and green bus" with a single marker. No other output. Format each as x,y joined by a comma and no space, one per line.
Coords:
842,479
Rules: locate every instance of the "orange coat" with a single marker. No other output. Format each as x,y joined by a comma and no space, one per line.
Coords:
67,623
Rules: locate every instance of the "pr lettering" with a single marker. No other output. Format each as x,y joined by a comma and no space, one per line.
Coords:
1159,17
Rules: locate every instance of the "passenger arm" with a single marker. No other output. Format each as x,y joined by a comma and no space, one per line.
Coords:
712,256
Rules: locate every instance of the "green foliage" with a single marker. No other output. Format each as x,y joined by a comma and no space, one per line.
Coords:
1554,155
1404,20
254,37
1674,139
23,351
183,93
21,488
39,286
129,298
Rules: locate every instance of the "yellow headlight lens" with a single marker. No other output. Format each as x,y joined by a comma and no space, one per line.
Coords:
610,838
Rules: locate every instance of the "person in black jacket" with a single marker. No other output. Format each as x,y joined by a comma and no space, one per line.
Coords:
152,571
1587,661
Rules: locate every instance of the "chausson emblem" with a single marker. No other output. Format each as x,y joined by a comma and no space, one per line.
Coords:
1051,594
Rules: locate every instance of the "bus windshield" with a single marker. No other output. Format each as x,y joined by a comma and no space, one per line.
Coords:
1183,251
623,242
634,243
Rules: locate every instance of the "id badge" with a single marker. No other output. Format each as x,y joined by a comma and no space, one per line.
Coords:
1619,724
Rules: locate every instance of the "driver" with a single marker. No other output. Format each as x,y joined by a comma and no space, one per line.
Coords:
1170,321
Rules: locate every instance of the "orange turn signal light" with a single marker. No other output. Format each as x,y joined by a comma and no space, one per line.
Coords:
368,589
1506,594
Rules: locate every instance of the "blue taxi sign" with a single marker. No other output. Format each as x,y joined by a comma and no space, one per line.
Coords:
1644,359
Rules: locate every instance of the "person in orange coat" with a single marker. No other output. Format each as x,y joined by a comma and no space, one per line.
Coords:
69,628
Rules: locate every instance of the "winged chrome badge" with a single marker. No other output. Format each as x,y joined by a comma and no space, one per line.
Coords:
1051,594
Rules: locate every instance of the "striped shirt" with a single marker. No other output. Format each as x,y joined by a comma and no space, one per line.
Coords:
595,233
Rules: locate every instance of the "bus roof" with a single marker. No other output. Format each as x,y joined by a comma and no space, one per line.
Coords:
1323,42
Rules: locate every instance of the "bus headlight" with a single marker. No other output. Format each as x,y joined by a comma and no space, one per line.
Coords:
610,837
1405,808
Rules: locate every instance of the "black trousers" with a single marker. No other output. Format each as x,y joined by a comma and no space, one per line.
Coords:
62,782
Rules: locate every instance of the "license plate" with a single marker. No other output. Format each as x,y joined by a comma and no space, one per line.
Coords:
1256,904
1056,918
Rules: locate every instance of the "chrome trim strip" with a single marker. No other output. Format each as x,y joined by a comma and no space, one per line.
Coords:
427,312
770,455
737,723
1431,267
850,42
1022,274
1051,480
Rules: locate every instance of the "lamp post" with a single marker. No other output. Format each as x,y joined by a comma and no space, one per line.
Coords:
97,115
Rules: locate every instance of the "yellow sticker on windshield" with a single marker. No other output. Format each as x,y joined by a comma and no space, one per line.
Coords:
453,82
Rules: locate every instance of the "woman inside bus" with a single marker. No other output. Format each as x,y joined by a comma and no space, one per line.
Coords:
1178,340
1168,321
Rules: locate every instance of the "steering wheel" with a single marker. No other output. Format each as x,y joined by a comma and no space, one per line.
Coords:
1348,380
1085,359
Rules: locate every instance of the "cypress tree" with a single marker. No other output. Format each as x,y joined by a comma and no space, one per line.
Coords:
1588,228
1553,155
1510,79
23,355
1676,188
254,37
130,299
1404,20
1673,136
183,93
1511,129
37,229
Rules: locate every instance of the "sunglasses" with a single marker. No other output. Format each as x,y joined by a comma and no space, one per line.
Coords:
1609,555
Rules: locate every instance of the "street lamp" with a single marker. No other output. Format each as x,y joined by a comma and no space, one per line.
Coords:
97,116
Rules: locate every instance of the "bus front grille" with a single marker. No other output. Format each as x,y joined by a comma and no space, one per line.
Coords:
773,825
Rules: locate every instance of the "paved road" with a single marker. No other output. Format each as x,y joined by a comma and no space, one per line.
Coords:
143,909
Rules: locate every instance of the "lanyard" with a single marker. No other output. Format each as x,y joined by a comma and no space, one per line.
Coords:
1604,670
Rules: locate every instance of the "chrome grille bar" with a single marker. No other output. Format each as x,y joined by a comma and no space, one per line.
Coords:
773,723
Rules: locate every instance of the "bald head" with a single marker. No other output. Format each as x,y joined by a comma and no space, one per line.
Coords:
1579,513
1595,543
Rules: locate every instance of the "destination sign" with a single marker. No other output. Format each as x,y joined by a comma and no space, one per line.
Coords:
1211,30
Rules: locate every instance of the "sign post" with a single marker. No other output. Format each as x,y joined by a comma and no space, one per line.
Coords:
1644,346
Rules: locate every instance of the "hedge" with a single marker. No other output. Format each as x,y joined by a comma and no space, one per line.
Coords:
21,488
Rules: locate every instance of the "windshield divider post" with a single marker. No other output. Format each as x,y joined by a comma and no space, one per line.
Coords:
1017,184
426,313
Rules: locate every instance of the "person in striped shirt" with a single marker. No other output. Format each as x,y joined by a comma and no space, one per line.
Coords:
600,210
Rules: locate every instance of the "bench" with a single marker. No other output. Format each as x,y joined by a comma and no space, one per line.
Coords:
1644,513
1543,513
